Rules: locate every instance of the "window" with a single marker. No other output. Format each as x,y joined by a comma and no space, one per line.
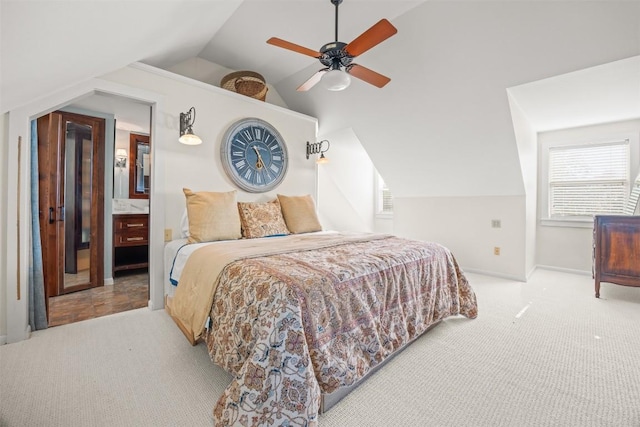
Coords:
588,179
384,199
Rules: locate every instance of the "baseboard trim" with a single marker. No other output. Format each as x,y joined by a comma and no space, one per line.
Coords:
565,270
494,274
109,281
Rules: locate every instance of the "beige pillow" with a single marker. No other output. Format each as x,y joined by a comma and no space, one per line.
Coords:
299,213
212,216
262,219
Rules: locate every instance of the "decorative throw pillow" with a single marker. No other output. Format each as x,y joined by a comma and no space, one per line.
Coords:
262,219
299,213
212,216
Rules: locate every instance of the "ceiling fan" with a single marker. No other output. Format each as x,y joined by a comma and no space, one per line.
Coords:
337,57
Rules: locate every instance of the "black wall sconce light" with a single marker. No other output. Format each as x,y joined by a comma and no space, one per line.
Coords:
316,148
186,128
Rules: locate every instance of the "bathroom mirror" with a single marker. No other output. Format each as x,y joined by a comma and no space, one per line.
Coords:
140,166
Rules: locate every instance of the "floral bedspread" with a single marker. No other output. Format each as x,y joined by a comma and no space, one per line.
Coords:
290,326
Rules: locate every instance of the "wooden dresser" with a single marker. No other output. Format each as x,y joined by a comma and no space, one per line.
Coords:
616,250
130,241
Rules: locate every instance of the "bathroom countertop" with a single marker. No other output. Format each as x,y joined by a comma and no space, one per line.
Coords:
132,212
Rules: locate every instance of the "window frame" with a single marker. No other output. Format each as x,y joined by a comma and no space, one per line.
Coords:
543,202
378,199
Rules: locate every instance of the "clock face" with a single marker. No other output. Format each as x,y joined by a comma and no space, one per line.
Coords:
254,155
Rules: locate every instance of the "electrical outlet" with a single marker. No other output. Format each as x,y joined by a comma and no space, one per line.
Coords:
168,234
496,223
496,250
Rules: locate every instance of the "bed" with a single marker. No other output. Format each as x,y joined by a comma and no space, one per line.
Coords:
300,317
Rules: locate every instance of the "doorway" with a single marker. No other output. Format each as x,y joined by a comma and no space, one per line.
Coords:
71,201
101,93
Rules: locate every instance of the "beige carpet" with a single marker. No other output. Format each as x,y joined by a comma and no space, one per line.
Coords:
542,353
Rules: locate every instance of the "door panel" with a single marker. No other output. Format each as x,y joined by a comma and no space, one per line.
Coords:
71,185
52,230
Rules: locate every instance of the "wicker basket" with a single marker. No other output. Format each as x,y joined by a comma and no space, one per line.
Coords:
248,83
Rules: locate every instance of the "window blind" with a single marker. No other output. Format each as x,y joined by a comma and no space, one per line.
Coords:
385,199
588,179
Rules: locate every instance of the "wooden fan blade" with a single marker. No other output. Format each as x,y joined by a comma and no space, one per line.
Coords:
378,33
294,47
312,81
368,75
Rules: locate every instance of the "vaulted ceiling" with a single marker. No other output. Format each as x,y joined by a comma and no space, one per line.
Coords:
445,113
52,44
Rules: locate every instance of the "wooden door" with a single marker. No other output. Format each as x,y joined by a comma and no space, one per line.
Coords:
71,166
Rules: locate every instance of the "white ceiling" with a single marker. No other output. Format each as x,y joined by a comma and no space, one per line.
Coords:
450,66
69,41
40,55
241,42
601,94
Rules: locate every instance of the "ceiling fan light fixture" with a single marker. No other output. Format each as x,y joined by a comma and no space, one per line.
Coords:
336,80
336,56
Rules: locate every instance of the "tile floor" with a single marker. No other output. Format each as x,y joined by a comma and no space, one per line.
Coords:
129,291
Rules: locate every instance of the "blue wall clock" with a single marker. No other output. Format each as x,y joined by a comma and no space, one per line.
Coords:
254,155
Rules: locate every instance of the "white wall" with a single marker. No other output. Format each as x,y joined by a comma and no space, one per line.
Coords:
346,184
526,139
571,247
208,72
3,220
443,126
174,165
463,224
199,167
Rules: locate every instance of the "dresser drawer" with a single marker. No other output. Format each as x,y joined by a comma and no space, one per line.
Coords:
132,238
130,230
129,223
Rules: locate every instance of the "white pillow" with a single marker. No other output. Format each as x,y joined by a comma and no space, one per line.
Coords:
184,224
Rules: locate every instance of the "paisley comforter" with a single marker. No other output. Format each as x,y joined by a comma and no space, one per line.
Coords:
293,325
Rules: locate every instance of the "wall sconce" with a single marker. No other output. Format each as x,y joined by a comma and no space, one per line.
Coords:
121,158
315,148
186,128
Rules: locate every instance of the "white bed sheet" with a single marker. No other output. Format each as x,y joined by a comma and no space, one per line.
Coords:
176,253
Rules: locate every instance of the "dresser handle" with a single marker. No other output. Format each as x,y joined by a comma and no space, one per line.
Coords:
135,225
133,239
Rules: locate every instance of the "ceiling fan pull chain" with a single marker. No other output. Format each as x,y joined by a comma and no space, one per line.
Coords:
337,3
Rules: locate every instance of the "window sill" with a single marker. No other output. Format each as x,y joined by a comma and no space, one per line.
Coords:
384,215
568,223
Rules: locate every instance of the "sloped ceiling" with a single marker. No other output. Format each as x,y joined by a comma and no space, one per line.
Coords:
601,94
47,45
441,127
51,44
